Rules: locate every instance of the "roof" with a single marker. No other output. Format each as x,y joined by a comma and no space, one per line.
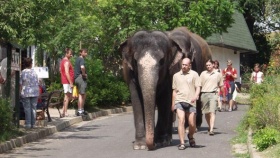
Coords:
238,36
15,45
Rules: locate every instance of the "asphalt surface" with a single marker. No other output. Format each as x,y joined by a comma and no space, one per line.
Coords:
112,136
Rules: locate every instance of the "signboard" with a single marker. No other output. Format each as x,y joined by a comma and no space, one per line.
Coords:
15,60
42,72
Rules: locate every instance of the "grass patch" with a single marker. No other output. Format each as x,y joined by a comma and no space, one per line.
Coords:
242,132
271,152
243,98
247,155
8,135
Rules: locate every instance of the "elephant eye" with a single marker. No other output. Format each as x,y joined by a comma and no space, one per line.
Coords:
161,62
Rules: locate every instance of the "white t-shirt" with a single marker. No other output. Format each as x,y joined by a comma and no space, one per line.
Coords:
257,77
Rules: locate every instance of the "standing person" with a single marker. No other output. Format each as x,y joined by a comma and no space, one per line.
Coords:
257,75
217,68
226,89
67,79
230,74
81,80
211,80
186,88
29,90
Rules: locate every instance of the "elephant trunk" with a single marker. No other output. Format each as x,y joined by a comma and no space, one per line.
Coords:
148,87
148,76
150,124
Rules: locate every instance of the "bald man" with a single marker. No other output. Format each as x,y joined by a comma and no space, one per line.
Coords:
186,88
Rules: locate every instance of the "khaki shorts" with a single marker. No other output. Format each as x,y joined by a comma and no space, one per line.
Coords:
81,84
209,102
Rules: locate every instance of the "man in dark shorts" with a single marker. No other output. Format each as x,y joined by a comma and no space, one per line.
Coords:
186,88
81,80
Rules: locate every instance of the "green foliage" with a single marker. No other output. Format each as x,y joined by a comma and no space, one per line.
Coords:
264,112
54,86
6,117
242,130
204,13
273,70
103,87
246,77
265,104
266,137
266,13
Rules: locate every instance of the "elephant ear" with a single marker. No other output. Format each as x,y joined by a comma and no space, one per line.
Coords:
192,52
126,56
182,41
177,54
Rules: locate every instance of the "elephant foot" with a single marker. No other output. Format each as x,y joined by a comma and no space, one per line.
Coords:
164,142
139,146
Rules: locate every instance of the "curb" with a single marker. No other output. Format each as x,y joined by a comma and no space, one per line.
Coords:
51,129
251,148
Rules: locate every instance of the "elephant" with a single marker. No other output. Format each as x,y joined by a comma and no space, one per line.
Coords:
150,59
195,48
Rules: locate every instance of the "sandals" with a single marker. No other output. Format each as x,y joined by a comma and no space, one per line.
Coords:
182,147
191,141
211,133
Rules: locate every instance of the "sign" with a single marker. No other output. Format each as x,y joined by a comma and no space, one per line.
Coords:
42,72
15,60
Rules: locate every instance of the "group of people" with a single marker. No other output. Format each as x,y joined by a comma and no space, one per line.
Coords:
188,87
30,85
230,87
212,86
71,76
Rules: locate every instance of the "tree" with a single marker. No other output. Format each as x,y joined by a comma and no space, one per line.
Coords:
119,19
262,17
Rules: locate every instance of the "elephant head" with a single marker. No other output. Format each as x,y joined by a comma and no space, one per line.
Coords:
193,46
147,57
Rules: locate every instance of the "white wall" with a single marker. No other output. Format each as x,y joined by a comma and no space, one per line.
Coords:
223,54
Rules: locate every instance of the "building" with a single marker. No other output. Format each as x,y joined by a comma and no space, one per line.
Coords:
233,44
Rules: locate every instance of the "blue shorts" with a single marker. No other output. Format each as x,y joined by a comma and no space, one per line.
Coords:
185,107
232,87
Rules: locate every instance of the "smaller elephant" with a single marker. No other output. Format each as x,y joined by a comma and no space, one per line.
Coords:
195,48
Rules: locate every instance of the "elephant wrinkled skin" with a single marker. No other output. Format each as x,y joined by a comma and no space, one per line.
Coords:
150,58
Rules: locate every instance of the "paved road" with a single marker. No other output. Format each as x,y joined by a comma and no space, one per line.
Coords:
112,136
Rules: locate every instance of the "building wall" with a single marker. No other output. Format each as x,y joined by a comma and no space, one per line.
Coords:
223,54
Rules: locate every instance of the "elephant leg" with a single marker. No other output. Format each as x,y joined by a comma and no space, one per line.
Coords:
140,139
163,134
199,114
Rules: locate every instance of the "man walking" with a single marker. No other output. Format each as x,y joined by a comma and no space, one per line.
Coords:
186,88
67,79
81,80
211,80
